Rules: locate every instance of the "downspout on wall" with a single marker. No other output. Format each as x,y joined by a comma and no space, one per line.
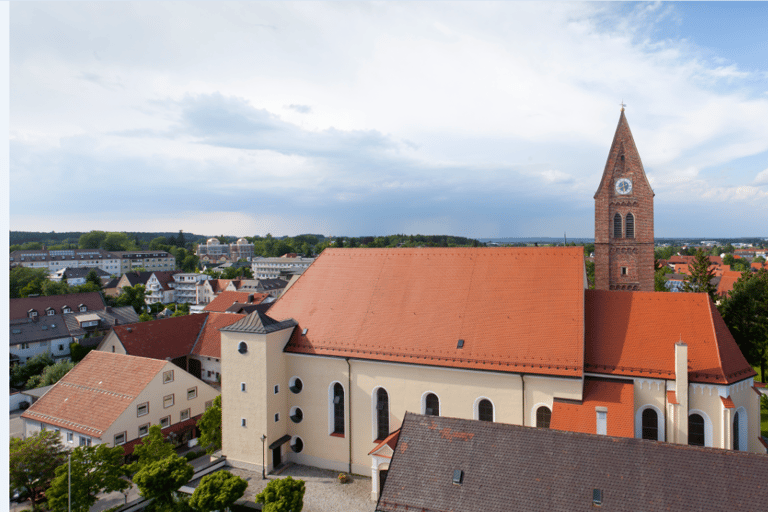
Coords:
349,388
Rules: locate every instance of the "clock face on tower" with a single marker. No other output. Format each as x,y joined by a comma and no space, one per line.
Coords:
623,186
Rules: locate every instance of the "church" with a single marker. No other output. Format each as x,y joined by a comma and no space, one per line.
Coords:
507,335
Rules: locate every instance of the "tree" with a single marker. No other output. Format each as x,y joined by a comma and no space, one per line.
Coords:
660,280
35,365
54,288
145,317
282,495
94,469
218,491
25,278
92,240
745,312
77,351
132,296
116,241
50,375
159,480
94,279
152,448
700,276
758,259
728,259
32,463
590,266
210,427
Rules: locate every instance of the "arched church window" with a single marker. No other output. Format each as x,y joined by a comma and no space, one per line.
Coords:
382,413
543,417
650,425
485,410
736,431
617,226
630,224
695,430
432,405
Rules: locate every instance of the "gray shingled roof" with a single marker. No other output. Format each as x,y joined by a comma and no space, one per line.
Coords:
75,272
124,315
45,328
259,323
509,467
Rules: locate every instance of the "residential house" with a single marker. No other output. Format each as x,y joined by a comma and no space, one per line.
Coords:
54,261
273,287
233,302
192,342
113,399
209,289
75,276
160,287
440,464
152,261
213,251
186,286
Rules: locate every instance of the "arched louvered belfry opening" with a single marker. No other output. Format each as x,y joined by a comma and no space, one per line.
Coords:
617,226
629,231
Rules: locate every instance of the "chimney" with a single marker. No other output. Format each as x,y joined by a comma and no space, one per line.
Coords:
108,309
681,390
117,321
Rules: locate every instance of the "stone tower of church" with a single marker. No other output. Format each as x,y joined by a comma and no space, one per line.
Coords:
624,218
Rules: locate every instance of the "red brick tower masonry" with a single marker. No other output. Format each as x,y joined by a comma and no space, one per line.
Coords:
624,218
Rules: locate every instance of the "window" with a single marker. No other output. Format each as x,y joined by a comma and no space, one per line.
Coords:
50,312
623,271
277,388
184,415
24,346
242,386
296,385
297,445
167,376
120,438
382,414
85,441
70,437
61,347
242,422
485,410
192,393
297,415
695,430
83,309
168,401
432,407
164,422
602,421
143,430
630,226
242,347
338,409
543,417
617,226
142,409
650,425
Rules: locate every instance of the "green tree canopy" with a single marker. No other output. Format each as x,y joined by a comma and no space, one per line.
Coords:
132,296
700,276
282,495
50,375
94,470
35,365
159,480
94,279
92,240
218,491
210,427
32,463
28,279
660,280
758,259
152,448
745,312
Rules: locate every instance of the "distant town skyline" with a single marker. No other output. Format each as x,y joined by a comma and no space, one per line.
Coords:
484,120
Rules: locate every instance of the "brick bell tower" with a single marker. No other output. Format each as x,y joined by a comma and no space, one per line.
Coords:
624,219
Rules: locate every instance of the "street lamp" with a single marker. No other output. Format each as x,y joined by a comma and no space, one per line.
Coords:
69,482
263,458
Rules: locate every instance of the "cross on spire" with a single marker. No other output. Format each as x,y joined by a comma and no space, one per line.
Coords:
622,105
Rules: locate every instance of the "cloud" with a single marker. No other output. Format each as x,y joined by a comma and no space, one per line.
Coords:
761,178
301,109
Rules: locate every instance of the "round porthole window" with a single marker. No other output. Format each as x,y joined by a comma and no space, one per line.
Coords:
297,445
242,347
297,415
296,385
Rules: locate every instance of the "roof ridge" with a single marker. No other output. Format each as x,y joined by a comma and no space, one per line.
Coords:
710,305
97,390
200,332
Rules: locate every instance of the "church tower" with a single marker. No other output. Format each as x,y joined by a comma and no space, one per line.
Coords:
624,219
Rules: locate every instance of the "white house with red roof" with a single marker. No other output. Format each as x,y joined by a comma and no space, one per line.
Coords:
113,399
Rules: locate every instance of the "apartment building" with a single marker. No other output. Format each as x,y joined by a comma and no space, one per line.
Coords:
270,268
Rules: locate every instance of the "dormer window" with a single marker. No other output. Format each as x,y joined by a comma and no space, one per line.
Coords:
50,311
66,309
31,313
83,308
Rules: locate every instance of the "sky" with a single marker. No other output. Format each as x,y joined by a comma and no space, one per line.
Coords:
372,118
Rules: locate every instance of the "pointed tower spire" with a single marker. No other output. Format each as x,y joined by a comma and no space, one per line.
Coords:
624,218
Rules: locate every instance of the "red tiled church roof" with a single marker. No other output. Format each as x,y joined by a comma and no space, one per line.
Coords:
633,334
617,396
516,309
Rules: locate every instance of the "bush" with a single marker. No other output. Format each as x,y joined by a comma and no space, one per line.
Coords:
192,455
